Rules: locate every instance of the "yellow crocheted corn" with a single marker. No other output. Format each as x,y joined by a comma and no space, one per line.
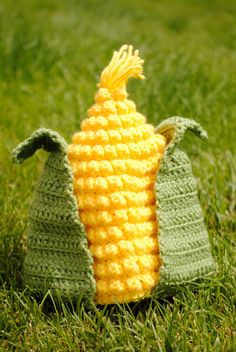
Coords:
115,159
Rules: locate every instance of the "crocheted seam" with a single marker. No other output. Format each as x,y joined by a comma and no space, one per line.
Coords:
183,239
58,257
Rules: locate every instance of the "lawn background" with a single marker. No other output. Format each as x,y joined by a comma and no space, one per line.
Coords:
51,55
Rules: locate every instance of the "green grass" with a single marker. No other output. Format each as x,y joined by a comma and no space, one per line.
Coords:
51,56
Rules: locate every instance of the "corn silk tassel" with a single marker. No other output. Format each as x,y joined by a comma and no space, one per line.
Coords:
115,158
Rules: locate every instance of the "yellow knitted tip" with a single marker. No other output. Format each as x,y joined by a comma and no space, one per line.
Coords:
124,64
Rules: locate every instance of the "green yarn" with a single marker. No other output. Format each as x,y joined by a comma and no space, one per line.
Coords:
183,239
58,257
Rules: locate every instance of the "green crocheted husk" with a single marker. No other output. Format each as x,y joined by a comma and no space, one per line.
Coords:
58,258
183,239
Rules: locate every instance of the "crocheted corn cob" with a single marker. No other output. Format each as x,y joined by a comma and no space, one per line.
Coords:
116,216
115,159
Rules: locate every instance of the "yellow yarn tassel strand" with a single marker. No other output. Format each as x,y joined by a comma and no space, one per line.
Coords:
124,64
115,158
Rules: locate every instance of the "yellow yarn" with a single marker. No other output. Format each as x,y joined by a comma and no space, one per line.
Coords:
124,64
115,158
